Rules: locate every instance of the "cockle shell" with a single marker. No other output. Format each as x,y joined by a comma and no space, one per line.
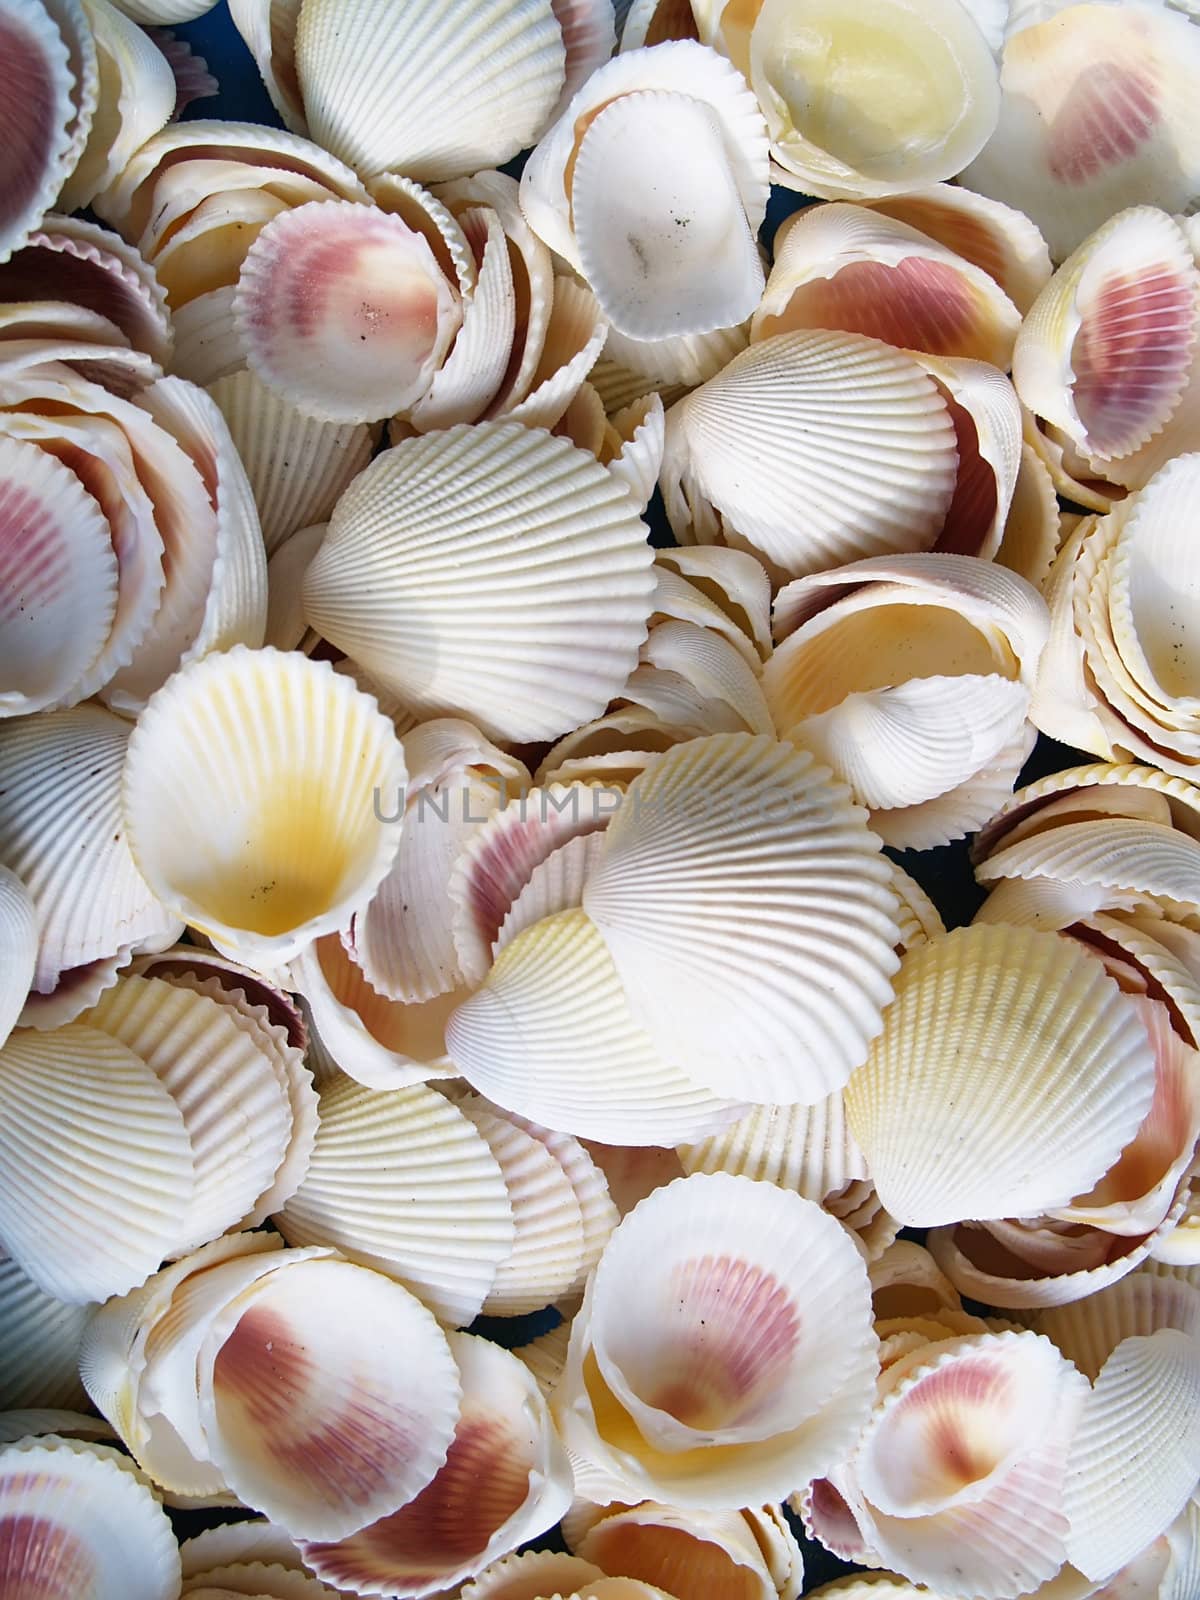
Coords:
749,1019
286,627
530,1574
40,110
268,28
685,1553
1088,1331
933,1153
844,266
39,1365
547,528
505,1463
286,726
81,1515
822,410
718,1401
809,1149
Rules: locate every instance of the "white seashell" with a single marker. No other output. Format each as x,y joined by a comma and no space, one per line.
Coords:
553,998
344,311
576,332
660,228
375,1041
732,581
733,1017
843,266
286,628
79,1106
267,1581
919,918
531,505
555,884
1180,1244
240,1543
268,28
1136,1457
532,1572
610,751
1088,1331
39,136
164,13
60,832
827,410
402,1182
986,413
234,1108
972,1162
712,668
81,1514
137,99
808,1149
275,1413
992,236
39,1363
589,38
1033,531
650,22
297,465
734,1390
208,346
664,1545
259,893
505,1462
641,428
1095,114
499,71
823,75
677,363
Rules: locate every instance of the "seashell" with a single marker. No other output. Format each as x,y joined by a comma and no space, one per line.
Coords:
263,897
1180,1244
298,318
998,239
555,884
960,1470
641,428
590,1188
39,1365
1095,114
987,421
907,1282
919,918
208,245
972,1158
58,579
735,584
297,465
529,1574
26,1424
60,832
81,1514
93,268
1033,531
456,119
403,940
79,1106
673,253
267,1581
164,13
376,1041
286,628
38,130
1144,1412
633,1172
208,346
1104,354
732,1392
684,1553
657,904
735,140
576,332
554,996
928,63
137,100
650,22
262,1351
610,752
711,667
268,29
402,1182
238,1543
809,401
843,266
808,1149
546,1357
505,1461
193,80
1088,1331
234,1108
679,362
531,501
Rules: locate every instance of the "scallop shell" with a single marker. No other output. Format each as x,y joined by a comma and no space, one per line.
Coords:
456,119
1136,1457
553,997
79,1107
733,1391
37,130
394,1375
81,1515
734,1020
971,1157
824,411
41,1339
843,266
297,466
523,501
1104,354
376,1041
926,62
274,771
60,832
402,1182
961,1466
1096,113
234,1108
505,1461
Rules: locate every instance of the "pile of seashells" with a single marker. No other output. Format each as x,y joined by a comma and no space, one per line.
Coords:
424,900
